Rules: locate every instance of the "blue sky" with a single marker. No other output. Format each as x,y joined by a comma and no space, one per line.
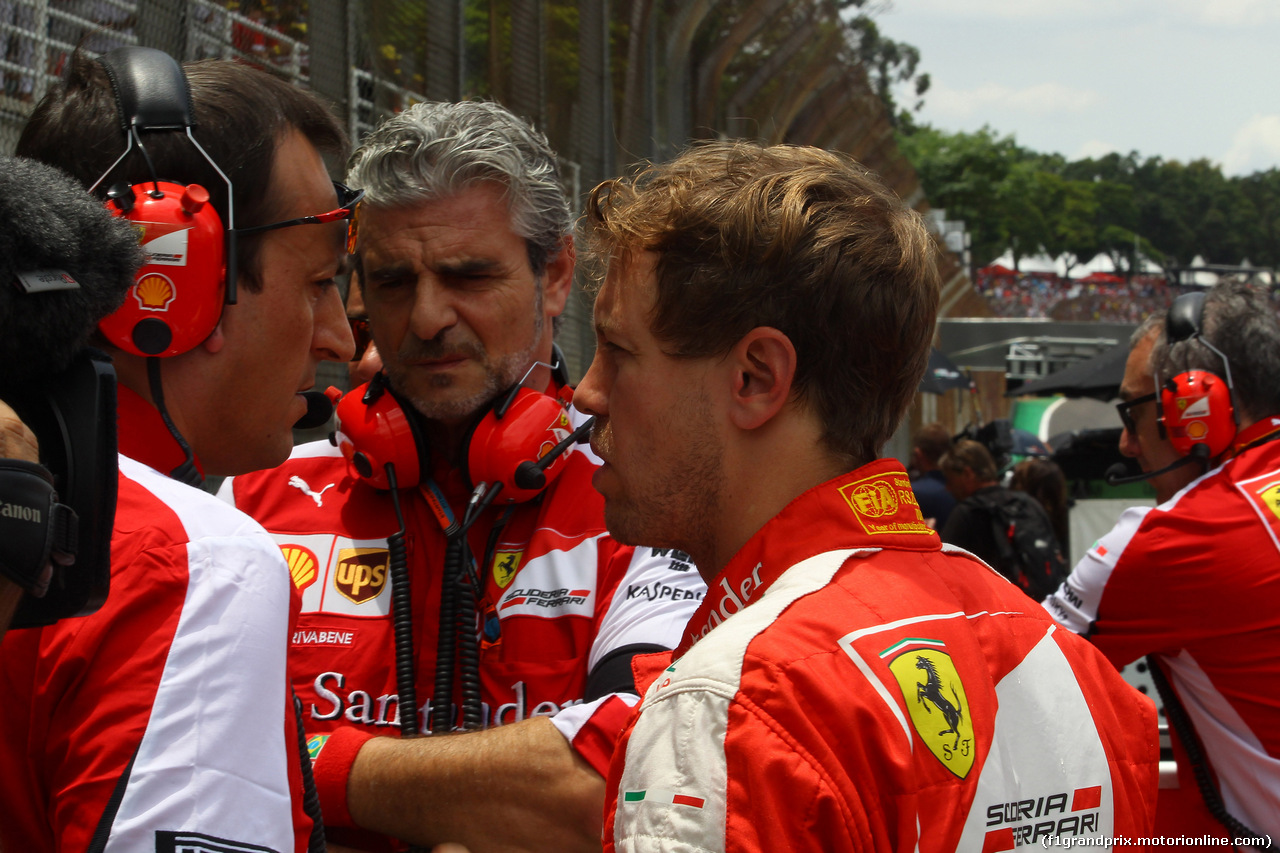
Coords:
1179,79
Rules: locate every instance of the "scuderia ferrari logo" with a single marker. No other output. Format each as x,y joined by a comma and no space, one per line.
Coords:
935,700
505,564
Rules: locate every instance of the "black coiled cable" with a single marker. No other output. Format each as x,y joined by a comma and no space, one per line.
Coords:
402,618
469,658
310,796
446,645
1181,725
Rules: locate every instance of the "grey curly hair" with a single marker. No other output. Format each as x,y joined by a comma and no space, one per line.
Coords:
434,150
1242,323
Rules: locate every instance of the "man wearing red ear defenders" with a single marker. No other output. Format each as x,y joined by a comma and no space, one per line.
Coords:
164,721
1193,584
465,261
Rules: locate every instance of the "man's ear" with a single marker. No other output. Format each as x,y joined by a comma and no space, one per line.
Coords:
217,339
763,365
557,278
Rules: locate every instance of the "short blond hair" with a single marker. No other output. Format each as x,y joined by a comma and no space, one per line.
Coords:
803,240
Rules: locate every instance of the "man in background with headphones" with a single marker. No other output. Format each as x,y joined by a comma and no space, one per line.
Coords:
1194,584
164,721
525,615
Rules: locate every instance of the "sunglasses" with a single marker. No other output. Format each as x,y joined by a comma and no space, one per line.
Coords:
348,209
363,337
1123,408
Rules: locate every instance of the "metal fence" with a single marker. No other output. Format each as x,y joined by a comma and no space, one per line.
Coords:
611,82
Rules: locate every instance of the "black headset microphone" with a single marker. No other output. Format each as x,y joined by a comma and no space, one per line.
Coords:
319,410
532,475
1115,475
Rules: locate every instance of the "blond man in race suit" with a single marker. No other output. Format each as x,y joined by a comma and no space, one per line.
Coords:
849,683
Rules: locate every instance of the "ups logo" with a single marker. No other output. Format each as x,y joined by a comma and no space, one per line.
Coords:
361,573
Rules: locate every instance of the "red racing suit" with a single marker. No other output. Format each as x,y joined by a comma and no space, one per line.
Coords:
850,683
572,604
163,722
1196,582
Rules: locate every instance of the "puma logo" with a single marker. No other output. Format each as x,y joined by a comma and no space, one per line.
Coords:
302,485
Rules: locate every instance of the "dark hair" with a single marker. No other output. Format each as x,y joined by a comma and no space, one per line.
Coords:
241,113
804,240
933,440
1044,481
967,454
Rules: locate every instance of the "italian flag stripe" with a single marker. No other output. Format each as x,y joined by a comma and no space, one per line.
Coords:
911,641
655,795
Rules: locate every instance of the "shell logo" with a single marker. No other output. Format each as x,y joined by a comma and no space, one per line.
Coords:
154,292
303,565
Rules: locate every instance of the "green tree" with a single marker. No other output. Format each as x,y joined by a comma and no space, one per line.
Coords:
1073,222
889,64
968,174
1122,205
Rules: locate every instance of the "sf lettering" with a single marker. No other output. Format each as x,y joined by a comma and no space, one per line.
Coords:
963,748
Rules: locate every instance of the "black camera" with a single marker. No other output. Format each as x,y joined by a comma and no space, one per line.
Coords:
73,416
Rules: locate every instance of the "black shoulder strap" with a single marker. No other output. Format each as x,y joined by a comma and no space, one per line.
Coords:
993,504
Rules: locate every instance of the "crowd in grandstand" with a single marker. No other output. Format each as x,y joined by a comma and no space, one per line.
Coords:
1098,298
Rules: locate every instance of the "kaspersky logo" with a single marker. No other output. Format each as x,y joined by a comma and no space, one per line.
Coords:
935,700
361,573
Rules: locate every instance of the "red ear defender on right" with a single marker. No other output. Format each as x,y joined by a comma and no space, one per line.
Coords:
176,298
529,428
1196,410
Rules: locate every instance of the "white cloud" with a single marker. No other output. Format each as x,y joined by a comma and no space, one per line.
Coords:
1217,13
1042,99
1255,146
1009,10
1094,148
1228,13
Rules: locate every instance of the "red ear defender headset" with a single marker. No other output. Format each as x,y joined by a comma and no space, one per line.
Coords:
515,451
1194,410
520,444
379,438
190,272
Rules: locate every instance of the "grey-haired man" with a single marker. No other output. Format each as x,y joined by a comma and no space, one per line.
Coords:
465,259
